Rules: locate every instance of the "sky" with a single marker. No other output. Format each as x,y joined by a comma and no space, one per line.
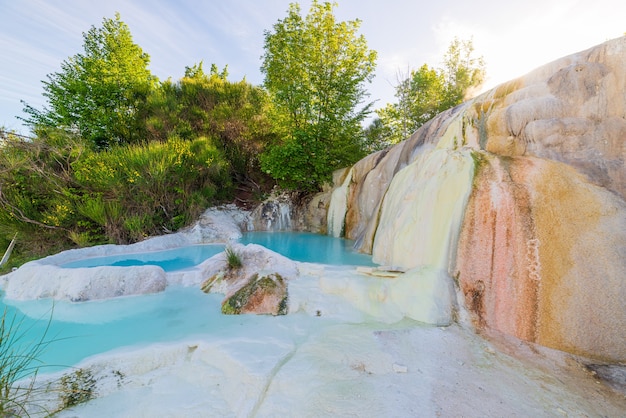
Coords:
513,37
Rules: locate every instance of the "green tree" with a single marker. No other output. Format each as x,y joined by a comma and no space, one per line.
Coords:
375,136
98,93
462,71
233,114
426,92
315,69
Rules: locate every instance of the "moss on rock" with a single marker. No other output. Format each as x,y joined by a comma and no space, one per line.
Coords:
262,295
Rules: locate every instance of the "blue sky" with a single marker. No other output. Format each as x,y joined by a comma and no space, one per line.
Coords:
36,36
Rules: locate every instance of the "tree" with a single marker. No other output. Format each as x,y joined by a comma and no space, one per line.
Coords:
421,96
232,114
315,69
98,93
463,73
428,91
375,136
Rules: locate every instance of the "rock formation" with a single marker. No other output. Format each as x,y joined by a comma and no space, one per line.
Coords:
258,286
519,196
36,281
44,278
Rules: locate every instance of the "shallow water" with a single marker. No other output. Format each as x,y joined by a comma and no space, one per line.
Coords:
169,260
308,247
80,330
298,246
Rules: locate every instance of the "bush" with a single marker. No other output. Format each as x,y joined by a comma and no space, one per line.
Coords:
135,191
57,193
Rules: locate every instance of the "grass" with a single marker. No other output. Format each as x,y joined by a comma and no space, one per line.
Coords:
233,259
19,365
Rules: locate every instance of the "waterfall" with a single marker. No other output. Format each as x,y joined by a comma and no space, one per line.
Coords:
274,214
338,207
283,217
422,210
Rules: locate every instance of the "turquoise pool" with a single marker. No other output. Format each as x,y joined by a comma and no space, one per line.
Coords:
310,248
80,330
169,260
298,246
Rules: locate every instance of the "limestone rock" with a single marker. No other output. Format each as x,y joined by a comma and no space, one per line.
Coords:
273,214
541,253
36,281
425,294
541,257
220,224
258,286
311,215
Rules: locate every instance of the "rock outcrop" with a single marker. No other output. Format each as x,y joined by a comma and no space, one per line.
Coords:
35,281
45,278
258,285
519,195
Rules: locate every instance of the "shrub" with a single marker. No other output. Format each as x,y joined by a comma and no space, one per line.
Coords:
137,191
58,193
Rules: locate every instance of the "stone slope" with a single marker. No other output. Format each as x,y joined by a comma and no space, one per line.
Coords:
537,243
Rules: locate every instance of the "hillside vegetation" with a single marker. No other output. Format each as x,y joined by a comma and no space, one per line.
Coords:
117,155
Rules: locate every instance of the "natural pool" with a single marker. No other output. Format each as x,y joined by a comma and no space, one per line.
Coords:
84,329
298,246
169,260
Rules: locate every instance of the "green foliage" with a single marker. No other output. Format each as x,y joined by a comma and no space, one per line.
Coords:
235,114
315,68
233,259
36,196
424,93
57,193
136,191
98,93
19,362
300,162
462,71
375,136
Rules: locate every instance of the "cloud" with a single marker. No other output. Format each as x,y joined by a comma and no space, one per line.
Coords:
514,37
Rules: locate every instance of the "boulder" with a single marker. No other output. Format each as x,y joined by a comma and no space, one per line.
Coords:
220,224
258,285
273,214
261,295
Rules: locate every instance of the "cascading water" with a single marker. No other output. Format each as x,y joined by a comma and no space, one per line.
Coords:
338,207
273,215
